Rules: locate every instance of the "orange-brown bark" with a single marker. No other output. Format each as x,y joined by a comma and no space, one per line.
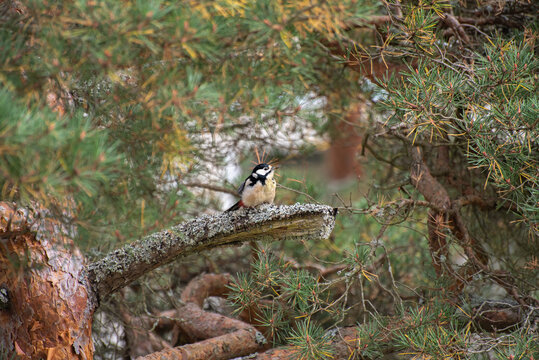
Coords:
48,295
49,314
198,324
238,343
205,285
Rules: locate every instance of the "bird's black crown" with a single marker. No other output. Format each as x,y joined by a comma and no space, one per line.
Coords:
260,167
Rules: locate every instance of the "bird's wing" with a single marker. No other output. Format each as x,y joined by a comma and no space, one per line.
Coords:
242,186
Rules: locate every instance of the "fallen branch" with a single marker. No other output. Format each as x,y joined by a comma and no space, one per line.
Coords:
455,25
241,342
222,337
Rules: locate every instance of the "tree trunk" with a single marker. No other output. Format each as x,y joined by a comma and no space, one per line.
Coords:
48,309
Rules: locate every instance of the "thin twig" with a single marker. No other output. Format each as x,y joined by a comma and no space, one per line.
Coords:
299,192
212,188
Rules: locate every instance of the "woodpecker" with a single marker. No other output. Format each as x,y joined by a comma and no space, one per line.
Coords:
258,188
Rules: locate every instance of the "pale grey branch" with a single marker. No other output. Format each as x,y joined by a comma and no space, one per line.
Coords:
267,222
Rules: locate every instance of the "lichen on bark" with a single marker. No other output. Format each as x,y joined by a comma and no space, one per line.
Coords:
266,222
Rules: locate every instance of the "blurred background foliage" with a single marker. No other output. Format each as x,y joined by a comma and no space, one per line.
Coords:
120,116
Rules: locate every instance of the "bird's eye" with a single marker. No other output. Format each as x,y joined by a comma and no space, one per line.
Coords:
266,168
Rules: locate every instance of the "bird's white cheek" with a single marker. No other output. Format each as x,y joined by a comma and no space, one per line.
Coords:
261,172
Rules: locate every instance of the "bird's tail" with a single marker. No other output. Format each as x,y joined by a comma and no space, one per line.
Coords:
236,206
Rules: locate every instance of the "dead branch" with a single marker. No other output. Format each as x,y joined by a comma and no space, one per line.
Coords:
198,324
51,303
222,337
452,22
449,218
239,343
203,286
267,222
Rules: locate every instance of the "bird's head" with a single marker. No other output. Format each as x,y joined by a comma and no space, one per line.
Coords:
263,170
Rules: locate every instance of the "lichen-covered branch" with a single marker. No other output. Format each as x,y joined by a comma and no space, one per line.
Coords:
267,222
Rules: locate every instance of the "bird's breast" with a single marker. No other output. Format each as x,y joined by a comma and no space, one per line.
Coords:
258,193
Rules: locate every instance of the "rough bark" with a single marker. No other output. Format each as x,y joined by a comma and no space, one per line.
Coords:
49,310
267,222
241,342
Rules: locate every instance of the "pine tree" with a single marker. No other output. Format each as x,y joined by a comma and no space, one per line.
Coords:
110,111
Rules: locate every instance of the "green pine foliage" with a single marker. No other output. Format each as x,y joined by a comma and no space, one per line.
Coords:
489,109
282,300
432,331
274,320
83,155
370,335
311,342
153,75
